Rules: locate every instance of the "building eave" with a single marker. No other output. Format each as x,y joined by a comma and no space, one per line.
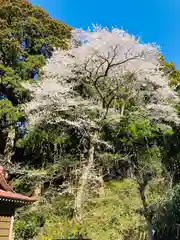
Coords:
17,201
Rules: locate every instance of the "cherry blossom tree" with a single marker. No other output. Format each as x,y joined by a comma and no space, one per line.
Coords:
94,81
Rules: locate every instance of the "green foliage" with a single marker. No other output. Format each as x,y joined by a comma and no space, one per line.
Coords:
24,185
27,226
167,217
24,31
42,145
32,62
9,114
170,69
109,217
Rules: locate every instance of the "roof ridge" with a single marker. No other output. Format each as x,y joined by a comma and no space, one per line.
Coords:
8,191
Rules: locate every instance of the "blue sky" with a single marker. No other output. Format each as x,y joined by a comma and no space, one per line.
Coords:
153,20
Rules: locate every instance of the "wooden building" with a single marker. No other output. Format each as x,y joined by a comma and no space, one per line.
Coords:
9,202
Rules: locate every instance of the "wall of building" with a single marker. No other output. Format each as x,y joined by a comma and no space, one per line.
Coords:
5,227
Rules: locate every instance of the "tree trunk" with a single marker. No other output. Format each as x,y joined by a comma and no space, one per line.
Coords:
8,151
37,195
101,181
37,192
148,218
150,230
122,109
79,200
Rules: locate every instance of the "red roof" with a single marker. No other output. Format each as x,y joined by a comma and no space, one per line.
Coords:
6,192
